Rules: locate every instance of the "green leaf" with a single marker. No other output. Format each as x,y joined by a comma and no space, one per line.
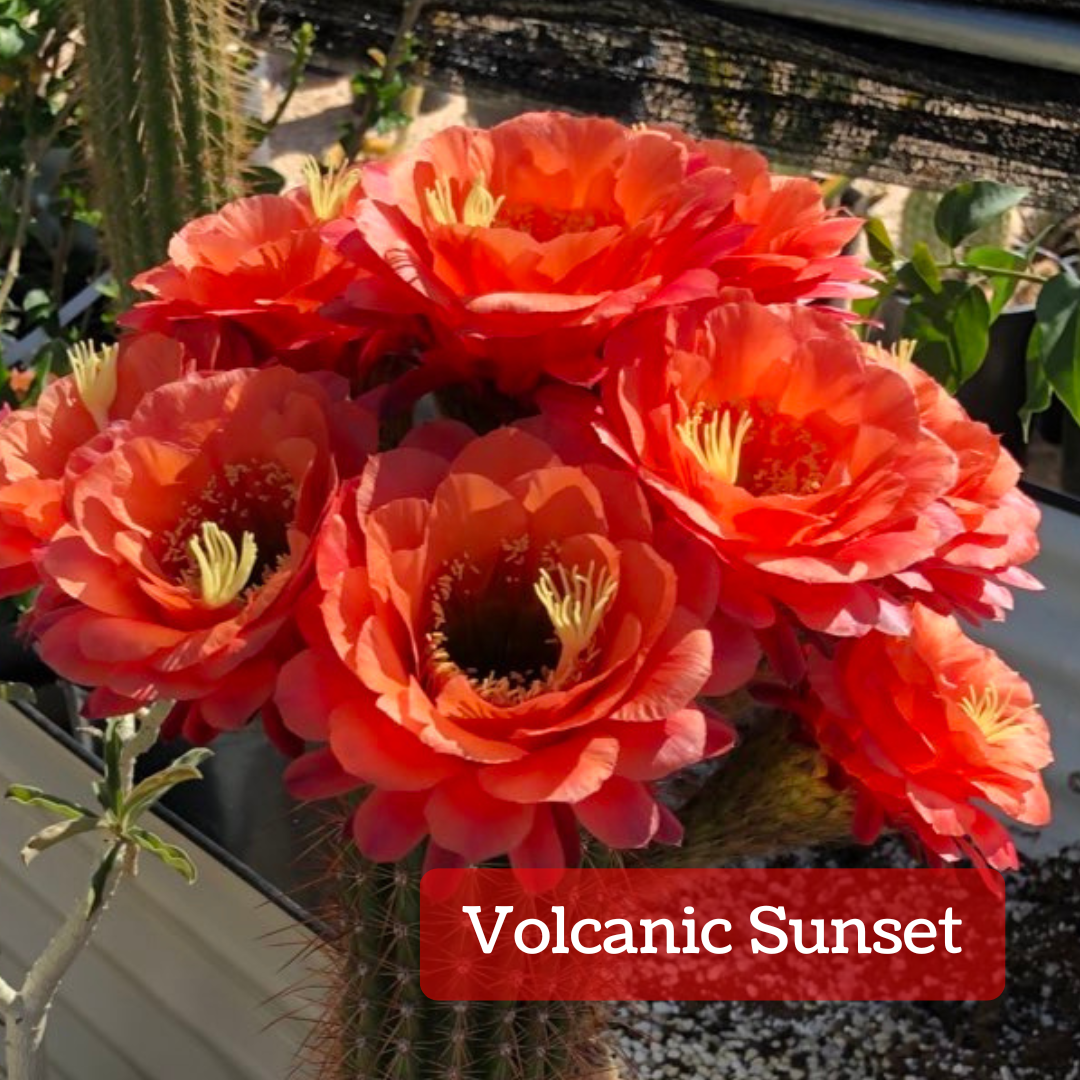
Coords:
952,330
1039,390
1057,317
55,834
879,242
99,882
150,790
920,276
172,856
32,796
971,205
1002,288
262,180
112,750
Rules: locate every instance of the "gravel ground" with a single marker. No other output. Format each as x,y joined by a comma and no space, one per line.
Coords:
1032,1032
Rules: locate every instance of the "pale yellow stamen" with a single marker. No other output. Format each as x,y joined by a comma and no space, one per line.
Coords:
576,605
223,572
94,371
480,209
995,718
329,190
715,446
900,355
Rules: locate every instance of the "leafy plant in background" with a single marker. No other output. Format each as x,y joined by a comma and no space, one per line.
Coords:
49,251
954,295
118,820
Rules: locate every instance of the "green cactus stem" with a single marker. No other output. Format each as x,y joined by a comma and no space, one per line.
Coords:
162,84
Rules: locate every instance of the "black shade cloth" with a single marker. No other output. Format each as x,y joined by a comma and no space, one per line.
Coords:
810,95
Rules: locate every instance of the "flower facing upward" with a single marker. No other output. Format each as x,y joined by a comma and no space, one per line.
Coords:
506,650
244,285
767,433
35,443
188,540
923,727
524,245
971,572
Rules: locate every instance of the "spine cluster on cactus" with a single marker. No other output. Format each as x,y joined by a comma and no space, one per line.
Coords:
162,83
379,1025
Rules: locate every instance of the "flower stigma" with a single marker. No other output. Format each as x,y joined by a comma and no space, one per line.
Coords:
995,718
479,211
329,190
576,604
716,447
223,572
94,371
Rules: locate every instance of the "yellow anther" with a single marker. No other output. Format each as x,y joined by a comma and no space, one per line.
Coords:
329,190
994,718
223,572
576,604
480,209
715,446
94,371
900,355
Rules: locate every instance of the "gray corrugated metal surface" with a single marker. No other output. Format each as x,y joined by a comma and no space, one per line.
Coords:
180,981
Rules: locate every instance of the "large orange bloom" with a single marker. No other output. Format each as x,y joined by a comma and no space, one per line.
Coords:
806,466
244,285
188,540
506,650
926,727
36,443
971,573
524,245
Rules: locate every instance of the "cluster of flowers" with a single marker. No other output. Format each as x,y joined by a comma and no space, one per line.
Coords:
483,475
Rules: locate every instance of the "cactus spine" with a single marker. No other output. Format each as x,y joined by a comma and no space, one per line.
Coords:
380,1026
162,84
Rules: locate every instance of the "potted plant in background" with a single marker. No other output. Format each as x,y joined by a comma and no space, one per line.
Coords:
955,297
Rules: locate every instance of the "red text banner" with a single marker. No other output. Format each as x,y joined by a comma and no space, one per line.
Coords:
734,935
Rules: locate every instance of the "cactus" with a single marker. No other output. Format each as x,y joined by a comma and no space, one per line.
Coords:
162,82
380,1026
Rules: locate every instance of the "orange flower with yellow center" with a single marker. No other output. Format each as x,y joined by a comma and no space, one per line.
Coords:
523,246
188,540
926,729
510,646
805,466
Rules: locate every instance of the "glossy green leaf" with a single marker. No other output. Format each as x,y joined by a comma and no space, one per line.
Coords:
971,205
172,856
1001,287
32,796
879,242
1057,316
920,275
952,331
1039,391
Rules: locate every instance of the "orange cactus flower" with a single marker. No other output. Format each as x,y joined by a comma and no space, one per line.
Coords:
973,571
767,432
924,726
548,229
244,285
506,650
188,539
36,443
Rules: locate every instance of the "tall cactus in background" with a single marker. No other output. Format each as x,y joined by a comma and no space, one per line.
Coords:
162,84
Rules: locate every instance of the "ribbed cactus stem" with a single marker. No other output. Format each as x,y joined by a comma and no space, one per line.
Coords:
380,1025
163,83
